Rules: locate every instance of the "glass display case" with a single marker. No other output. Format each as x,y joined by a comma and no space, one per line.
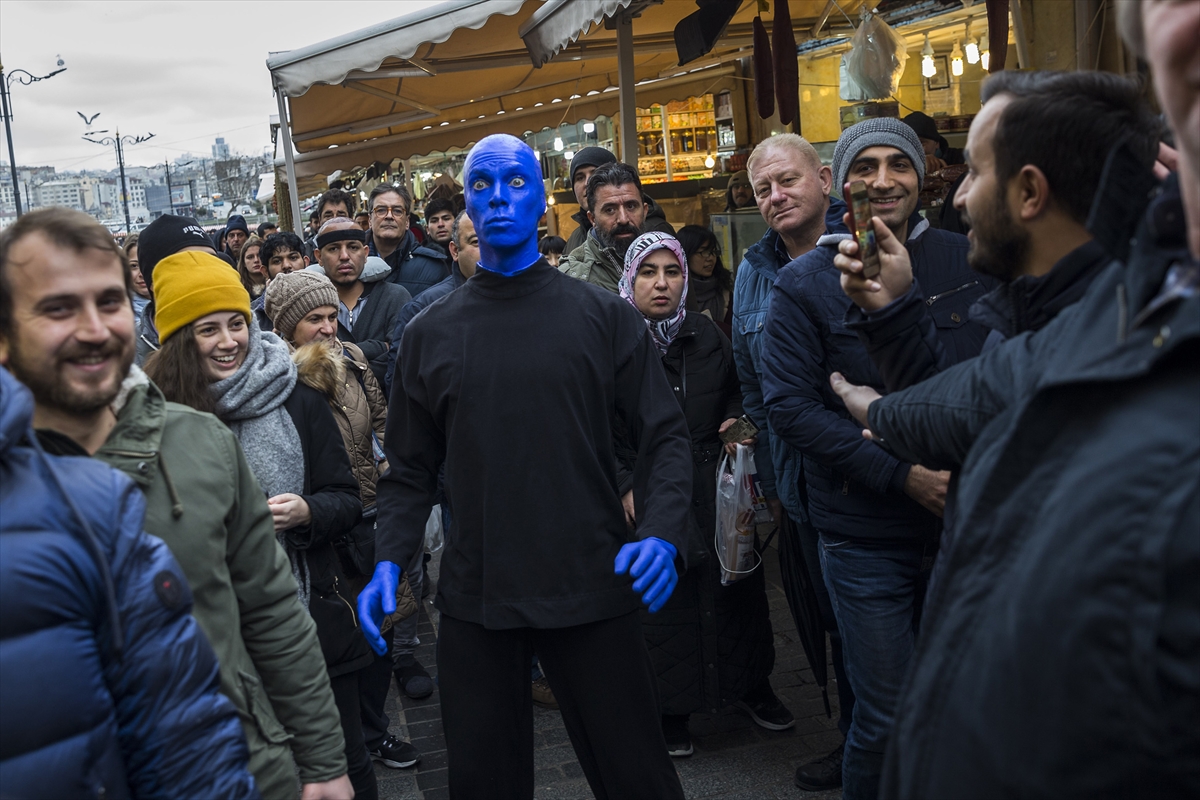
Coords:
678,140
736,231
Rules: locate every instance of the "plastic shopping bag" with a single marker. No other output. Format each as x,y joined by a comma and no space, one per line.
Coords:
876,58
434,537
736,516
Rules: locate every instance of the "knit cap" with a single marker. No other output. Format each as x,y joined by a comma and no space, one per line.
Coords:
590,157
881,131
166,235
291,296
237,222
192,285
739,178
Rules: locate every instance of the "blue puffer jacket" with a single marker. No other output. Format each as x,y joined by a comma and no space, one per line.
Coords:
107,686
855,488
778,463
415,266
410,310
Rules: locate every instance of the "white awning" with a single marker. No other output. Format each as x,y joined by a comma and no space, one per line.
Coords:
559,22
332,61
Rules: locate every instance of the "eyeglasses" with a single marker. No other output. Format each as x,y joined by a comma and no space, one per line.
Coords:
706,252
399,212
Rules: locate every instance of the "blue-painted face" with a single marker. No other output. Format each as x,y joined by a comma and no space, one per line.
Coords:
506,200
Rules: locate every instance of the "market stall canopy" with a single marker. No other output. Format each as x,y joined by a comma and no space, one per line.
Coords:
451,74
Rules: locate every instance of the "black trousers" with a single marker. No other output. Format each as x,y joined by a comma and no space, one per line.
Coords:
374,681
361,770
604,683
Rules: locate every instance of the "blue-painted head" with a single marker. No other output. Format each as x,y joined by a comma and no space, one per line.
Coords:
505,199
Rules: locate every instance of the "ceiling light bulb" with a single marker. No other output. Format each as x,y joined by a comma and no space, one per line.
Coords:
568,155
710,162
972,52
928,69
558,143
956,60
550,200
985,53
589,127
985,60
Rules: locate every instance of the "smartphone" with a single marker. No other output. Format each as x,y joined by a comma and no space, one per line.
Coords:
861,227
739,431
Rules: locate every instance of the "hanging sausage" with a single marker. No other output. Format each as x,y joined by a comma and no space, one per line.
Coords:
787,70
764,71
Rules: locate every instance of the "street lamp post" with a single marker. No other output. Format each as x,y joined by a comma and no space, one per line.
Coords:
118,143
25,78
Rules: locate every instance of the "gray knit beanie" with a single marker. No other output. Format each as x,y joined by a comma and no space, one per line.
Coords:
290,296
881,131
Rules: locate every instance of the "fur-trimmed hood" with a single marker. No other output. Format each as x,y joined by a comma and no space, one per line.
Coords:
321,366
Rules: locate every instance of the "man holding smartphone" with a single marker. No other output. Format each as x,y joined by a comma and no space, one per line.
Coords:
878,518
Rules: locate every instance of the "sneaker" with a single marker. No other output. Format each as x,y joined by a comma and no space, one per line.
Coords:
542,694
824,773
767,712
413,680
675,731
395,753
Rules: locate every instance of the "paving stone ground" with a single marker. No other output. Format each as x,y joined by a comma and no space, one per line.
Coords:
734,758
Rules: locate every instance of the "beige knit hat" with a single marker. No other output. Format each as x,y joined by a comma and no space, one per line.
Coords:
290,296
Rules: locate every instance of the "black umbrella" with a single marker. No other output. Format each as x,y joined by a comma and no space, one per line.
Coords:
802,600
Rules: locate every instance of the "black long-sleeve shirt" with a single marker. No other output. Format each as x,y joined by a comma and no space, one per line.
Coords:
515,382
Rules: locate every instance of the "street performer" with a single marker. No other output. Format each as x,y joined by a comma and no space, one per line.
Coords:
514,381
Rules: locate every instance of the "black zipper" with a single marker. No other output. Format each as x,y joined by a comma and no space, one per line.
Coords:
846,487
930,301
338,594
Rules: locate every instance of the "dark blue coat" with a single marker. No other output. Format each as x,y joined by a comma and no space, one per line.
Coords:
855,488
410,310
415,266
108,688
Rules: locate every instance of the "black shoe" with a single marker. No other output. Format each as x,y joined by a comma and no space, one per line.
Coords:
396,753
766,711
675,731
824,773
413,680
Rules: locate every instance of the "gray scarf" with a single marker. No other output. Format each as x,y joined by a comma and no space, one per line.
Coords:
251,402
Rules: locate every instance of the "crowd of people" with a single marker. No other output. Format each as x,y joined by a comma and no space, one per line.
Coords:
219,459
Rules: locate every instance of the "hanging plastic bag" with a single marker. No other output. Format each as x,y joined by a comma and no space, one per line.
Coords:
736,516
848,89
434,538
876,58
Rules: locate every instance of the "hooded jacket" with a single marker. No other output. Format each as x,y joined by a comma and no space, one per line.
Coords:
203,501
357,403
414,266
656,220
1068,614
779,466
110,688
855,488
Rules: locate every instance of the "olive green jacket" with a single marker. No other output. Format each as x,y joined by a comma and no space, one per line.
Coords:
594,263
204,502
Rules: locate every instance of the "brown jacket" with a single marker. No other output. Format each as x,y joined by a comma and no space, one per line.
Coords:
357,401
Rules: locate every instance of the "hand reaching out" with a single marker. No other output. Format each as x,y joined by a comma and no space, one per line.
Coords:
651,562
895,273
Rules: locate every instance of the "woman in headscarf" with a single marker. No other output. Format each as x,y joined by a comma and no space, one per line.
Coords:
710,286
213,359
704,623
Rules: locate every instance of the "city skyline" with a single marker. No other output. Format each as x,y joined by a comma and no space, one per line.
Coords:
187,72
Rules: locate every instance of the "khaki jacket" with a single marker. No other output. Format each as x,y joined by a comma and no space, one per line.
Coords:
204,502
357,402
595,263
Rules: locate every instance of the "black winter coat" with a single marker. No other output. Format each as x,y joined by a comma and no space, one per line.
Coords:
855,488
1064,634
331,492
373,328
710,644
414,266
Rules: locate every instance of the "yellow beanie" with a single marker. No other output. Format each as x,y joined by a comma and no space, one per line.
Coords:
191,285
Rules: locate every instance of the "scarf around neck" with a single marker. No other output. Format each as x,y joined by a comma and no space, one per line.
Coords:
663,331
251,402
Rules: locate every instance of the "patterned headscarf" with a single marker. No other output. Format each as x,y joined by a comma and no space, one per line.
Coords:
663,330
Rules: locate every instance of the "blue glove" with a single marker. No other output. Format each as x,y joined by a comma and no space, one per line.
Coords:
376,601
653,566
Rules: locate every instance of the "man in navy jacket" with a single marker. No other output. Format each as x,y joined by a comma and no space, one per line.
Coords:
878,517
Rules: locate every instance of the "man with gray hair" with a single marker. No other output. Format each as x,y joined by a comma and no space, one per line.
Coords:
877,518
791,188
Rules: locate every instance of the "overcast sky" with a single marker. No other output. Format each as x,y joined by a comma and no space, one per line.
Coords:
186,71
